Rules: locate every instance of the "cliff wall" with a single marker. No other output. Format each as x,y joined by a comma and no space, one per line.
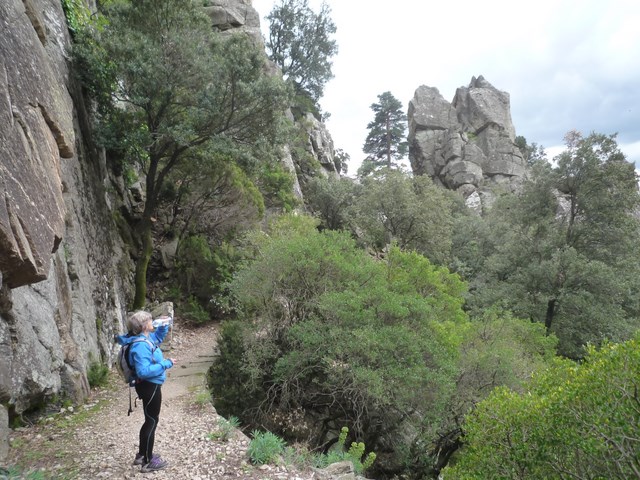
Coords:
65,272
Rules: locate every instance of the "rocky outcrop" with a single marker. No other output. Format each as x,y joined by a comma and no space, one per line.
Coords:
467,145
318,147
65,272
235,16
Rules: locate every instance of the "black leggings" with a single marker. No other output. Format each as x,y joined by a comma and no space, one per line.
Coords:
151,395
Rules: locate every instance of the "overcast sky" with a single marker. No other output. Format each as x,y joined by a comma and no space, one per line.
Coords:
567,64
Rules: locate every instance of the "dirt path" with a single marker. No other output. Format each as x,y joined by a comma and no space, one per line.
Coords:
98,439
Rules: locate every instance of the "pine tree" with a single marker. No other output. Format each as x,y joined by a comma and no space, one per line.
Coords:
386,142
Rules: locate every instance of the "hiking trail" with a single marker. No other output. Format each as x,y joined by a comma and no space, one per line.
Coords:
98,440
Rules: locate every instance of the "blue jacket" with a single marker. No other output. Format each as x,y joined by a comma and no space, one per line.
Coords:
148,362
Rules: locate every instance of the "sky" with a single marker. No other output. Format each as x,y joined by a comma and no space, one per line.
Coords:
566,64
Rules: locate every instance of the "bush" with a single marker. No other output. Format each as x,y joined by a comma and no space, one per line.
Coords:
265,447
577,420
323,323
225,428
97,375
195,312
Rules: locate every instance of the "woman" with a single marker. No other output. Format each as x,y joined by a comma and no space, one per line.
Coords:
150,366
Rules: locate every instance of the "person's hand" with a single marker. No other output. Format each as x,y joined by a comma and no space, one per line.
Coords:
173,360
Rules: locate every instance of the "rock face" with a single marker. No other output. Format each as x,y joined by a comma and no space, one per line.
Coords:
65,272
35,133
319,146
467,145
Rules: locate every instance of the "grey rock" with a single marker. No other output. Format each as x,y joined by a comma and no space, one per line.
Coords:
36,132
235,16
65,274
467,145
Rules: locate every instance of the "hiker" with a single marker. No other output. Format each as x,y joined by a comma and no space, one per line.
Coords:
149,364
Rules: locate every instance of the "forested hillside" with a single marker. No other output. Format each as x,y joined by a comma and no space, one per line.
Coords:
499,342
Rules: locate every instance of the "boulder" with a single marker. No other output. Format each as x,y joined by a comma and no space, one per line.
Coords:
235,16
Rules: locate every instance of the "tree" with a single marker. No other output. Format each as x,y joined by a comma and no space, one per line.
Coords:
531,153
329,331
332,199
563,252
300,43
576,420
410,211
386,142
496,350
177,89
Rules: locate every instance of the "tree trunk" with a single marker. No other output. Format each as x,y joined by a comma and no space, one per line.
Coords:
551,309
142,264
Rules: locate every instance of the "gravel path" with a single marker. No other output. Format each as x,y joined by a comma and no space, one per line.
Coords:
98,439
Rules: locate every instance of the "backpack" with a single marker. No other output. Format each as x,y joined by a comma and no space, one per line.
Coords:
128,371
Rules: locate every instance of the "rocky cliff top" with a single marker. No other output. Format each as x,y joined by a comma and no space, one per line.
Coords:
468,144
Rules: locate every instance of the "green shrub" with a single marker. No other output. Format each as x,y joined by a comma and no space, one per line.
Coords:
354,454
195,312
77,14
265,447
225,428
98,374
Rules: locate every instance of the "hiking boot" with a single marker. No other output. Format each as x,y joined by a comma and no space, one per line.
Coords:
139,460
156,463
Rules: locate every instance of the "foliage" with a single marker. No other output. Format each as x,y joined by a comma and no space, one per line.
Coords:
342,160
300,43
225,429
575,421
16,473
277,183
77,14
530,153
496,350
194,312
326,328
386,141
97,374
202,398
158,119
411,211
563,251
226,378
354,454
265,447
332,200
201,271
211,195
